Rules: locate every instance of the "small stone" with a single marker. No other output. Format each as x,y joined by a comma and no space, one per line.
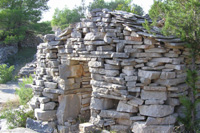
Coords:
149,74
137,118
114,114
50,85
45,115
95,64
155,88
154,101
167,75
156,110
123,107
135,101
169,120
86,127
111,67
48,106
162,60
153,95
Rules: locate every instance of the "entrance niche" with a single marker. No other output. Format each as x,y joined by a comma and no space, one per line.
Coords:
74,105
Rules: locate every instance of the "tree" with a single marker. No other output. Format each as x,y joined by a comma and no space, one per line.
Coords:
63,18
124,5
182,18
17,17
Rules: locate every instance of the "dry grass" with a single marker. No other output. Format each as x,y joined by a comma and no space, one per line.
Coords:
11,104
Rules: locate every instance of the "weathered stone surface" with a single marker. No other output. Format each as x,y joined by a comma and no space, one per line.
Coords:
167,75
149,74
162,60
50,85
154,102
141,127
70,71
95,64
156,110
123,107
94,36
135,101
45,115
169,120
50,95
137,118
114,114
101,104
155,50
126,122
119,128
153,95
170,82
86,127
43,99
111,67
155,88
48,106
69,107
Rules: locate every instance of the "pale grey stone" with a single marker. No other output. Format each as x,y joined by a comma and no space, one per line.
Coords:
170,82
91,36
149,74
108,39
141,127
128,72
86,127
120,47
45,115
97,77
176,67
112,62
112,73
131,84
136,101
114,114
69,107
169,120
119,128
137,118
116,80
167,75
125,122
162,60
123,107
104,48
47,106
119,55
139,55
153,95
131,78
173,101
49,37
134,89
50,95
51,85
76,34
156,110
156,50
101,104
95,64
154,64
155,88
154,101
145,81
111,67
43,99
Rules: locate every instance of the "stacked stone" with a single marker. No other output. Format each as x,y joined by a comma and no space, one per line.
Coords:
136,77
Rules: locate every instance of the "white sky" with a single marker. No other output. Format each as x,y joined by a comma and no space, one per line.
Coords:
53,4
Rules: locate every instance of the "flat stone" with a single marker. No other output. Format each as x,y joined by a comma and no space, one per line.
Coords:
169,120
101,104
111,67
112,62
104,48
66,71
43,99
95,64
45,115
154,102
94,42
176,67
76,34
116,80
170,82
139,55
167,75
123,107
119,128
156,110
141,127
149,74
86,127
135,101
50,85
91,36
153,95
137,118
156,50
125,122
155,88
162,60
114,114
48,106
50,95
131,78
173,101
112,73
69,107
119,55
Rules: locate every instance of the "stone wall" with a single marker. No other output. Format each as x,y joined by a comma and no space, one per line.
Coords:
109,68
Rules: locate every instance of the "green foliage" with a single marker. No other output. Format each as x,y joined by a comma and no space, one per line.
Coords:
43,28
5,73
17,18
124,5
25,94
23,56
182,20
16,118
63,18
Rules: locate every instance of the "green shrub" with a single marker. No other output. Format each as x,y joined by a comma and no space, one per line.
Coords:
16,118
5,73
25,94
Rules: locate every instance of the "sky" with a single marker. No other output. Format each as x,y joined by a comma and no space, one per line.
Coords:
53,4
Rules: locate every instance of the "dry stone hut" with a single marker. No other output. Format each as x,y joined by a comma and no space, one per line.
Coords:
109,71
